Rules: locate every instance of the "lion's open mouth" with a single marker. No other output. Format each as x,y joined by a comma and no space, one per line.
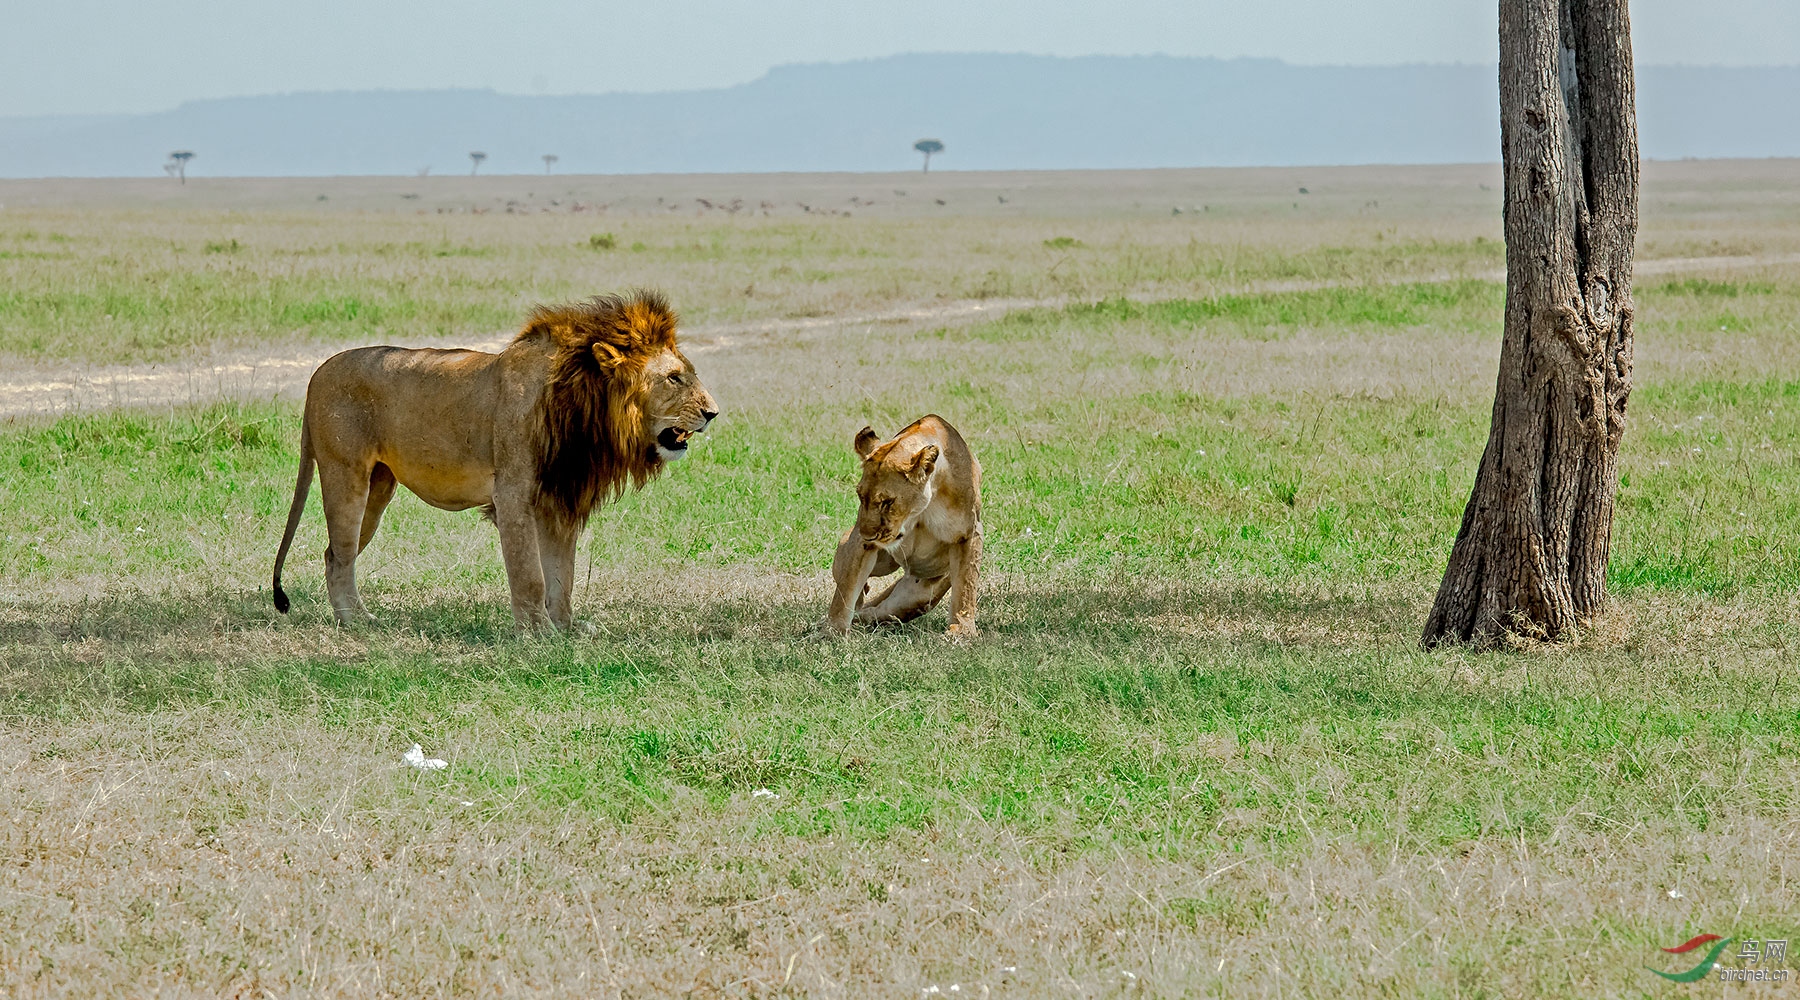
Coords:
673,439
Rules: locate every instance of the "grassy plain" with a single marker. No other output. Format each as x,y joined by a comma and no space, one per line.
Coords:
1197,751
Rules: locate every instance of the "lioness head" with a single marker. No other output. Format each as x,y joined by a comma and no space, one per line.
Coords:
895,488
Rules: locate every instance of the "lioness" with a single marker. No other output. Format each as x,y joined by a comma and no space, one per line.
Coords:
919,510
586,399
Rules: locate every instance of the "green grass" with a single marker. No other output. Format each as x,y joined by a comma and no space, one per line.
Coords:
132,286
133,320
1122,739
1160,481
1197,727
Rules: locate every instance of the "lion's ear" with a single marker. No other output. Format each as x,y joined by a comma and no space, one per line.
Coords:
866,440
923,463
607,355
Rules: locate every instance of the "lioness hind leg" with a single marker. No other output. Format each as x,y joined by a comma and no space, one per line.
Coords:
346,496
907,599
884,564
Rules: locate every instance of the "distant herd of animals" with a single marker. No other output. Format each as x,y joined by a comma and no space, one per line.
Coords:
590,399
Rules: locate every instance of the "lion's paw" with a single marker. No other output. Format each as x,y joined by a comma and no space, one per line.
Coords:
962,632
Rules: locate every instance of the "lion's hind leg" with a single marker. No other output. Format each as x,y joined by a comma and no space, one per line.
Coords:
346,493
907,599
381,493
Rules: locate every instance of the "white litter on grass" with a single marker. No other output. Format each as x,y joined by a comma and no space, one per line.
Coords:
416,757
763,793
1674,893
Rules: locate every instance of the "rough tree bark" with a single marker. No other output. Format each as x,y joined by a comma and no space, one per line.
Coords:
1531,556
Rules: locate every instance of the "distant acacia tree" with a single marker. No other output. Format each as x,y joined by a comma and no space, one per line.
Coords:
928,147
475,162
177,165
550,161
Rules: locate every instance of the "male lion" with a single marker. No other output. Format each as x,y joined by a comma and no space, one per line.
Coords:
589,397
919,510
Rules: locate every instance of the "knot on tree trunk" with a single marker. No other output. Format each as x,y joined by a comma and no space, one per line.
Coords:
1598,297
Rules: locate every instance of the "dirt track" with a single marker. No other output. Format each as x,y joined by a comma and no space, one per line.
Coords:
47,390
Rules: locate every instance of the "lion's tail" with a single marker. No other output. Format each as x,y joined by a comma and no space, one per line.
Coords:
302,486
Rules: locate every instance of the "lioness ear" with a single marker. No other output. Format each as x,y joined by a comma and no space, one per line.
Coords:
923,463
866,440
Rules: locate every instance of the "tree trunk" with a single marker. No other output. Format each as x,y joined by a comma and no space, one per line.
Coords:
1531,556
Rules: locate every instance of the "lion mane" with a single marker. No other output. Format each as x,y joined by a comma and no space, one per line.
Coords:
588,427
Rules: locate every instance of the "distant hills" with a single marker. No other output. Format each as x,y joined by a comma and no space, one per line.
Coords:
992,112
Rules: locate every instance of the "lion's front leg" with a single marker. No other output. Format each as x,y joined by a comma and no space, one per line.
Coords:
557,541
518,524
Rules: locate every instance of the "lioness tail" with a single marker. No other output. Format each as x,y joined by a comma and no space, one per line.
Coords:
302,486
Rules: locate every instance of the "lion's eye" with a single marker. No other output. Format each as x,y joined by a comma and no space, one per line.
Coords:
675,378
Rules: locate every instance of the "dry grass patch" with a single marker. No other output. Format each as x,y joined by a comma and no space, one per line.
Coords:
1119,798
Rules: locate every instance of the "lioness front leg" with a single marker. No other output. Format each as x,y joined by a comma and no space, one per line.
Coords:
850,568
556,551
965,579
517,522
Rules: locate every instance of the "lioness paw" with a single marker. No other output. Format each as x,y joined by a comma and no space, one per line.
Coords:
962,632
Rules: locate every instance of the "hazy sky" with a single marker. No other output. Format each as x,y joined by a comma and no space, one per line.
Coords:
63,56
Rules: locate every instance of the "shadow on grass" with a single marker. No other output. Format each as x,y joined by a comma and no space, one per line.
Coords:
137,649
476,620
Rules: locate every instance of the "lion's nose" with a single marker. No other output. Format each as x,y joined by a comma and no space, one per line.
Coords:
708,415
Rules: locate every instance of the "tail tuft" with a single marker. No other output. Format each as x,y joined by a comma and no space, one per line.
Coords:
281,600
